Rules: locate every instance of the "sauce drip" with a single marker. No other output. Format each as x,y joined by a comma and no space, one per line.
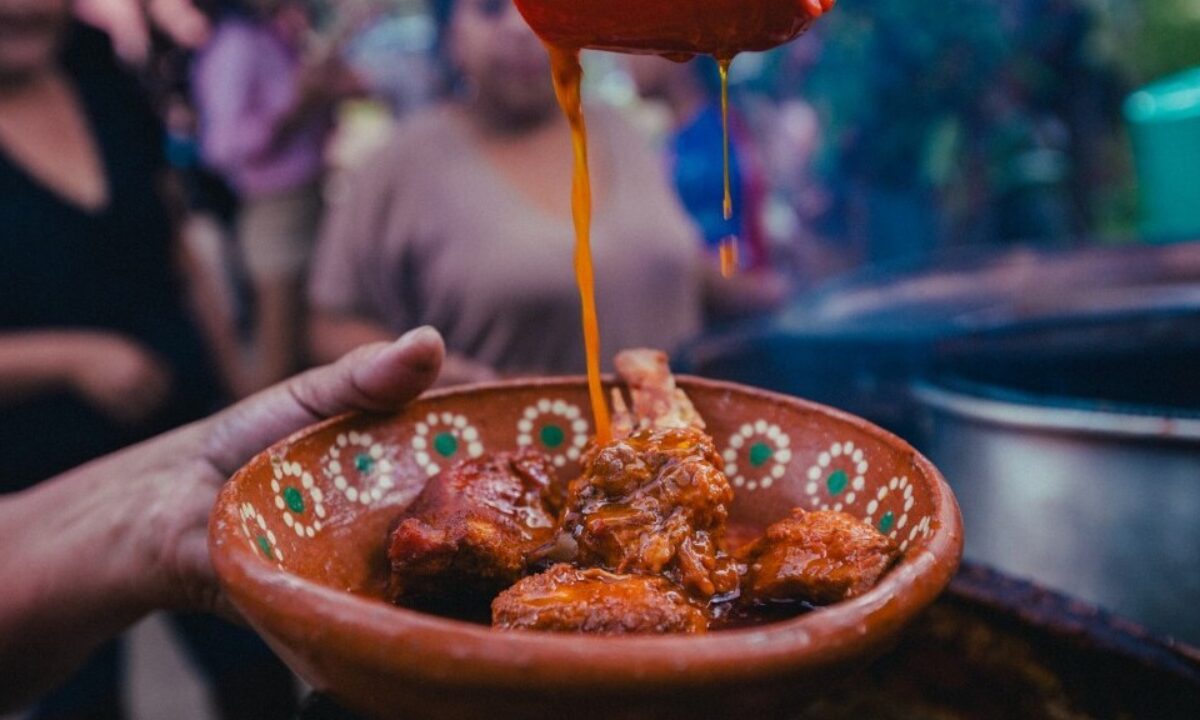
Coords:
729,256
728,249
723,68
568,77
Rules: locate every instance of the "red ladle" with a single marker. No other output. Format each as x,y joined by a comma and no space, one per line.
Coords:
675,28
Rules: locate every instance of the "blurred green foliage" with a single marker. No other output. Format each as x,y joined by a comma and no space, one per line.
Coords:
1167,38
990,102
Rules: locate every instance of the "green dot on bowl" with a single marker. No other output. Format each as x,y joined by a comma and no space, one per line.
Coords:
265,547
446,444
760,453
294,500
364,463
553,436
885,522
837,482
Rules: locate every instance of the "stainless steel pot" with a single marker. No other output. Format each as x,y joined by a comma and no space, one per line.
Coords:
859,343
1101,501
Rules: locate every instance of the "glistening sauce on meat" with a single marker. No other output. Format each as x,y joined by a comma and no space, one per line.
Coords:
736,616
724,615
638,542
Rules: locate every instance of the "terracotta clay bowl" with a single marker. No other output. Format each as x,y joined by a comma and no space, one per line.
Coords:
298,539
677,28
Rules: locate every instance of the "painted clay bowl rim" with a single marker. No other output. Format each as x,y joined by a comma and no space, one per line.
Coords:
441,649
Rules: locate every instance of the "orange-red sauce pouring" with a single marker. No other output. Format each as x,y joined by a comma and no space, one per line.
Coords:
568,78
674,29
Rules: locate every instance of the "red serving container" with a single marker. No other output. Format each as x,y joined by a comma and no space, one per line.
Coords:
676,28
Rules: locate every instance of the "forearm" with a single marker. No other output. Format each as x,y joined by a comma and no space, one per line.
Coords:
72,572
88,553
33,363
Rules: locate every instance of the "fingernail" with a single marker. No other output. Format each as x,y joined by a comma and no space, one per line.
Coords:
426,342
425,333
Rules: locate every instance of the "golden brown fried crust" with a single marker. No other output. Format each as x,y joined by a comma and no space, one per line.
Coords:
654,503
567,599
819,557
473,526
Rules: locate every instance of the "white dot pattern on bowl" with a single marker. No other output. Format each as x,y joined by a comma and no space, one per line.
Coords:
297,497
360,468
893,501
444,437
261,538
555,427
757,455
839,474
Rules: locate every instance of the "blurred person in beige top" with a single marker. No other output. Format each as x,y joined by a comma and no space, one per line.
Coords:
463,222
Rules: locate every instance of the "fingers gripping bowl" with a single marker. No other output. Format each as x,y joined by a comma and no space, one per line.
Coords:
299,540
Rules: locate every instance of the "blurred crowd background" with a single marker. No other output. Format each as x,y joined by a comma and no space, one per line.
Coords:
207,197
891,133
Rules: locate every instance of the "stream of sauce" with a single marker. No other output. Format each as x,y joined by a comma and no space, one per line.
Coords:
729,248
661,27
568,78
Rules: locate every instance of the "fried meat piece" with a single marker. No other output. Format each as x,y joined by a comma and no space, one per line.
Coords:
471,529
653,503
820,557
567,599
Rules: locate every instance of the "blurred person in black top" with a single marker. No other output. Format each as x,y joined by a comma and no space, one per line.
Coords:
97,347
87,295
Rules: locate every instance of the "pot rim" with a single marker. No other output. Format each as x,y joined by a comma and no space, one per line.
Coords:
997,405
